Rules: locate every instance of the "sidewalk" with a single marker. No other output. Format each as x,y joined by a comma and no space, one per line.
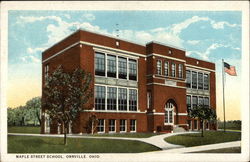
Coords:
201,148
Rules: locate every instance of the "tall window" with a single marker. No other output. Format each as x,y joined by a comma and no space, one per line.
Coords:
180,71
200,80
111,125
132,100
206,101
158,67
188,76
122,98
122,66
200,101
169,113
194,101
166,68
46,71
149,99
132,125
132,69
111,98
100,64
100,97
188,103
111,66
206,81
122,125
100,126
173,69
194,80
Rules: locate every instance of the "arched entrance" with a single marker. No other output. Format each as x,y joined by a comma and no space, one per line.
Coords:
170,109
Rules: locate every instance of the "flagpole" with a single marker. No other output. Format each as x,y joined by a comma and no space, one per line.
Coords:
223,95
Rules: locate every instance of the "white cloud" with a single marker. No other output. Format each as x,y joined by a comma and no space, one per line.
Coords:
89,16
193,42
67,16
221,24
35,50
31,59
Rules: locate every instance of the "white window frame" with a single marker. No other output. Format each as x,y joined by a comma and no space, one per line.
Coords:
166,63
172,69
125,125
149,99
103,126
134,125
114,126
159,67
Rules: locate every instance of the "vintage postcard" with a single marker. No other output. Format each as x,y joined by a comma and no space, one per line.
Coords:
125,81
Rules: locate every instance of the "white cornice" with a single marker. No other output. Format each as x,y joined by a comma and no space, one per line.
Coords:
166,85
168,57
188,66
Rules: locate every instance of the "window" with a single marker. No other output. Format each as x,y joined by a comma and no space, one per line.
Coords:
100,64
169,113
122,125
166,68
206,82
122,66
132,125
206,101
46,71
100,97
122,98
158,67
111,125
180,71
111,66
194,101
111,98
170,52
100,126
188,75
132,100
132,69
188,103
149,99
200,80
200,101
194,80
173,69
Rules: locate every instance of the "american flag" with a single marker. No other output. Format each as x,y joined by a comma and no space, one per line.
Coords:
230,69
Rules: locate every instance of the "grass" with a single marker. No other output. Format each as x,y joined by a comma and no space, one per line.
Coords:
36,130
24,129
28,144
224,150
210,137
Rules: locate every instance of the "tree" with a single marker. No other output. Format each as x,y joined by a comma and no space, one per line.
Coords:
203,113
65,95
93,122
34,107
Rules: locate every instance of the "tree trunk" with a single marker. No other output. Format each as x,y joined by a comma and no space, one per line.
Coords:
65,133
92,127
202,125
38,117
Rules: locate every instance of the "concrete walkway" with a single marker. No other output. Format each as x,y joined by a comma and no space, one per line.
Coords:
201,148
157,140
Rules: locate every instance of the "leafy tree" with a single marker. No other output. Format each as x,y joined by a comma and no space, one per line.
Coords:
93,122
65,95
34,106
203,113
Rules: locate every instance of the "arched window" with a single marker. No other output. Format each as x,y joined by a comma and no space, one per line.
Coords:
169,113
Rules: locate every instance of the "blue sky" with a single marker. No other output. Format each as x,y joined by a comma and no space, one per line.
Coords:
206,35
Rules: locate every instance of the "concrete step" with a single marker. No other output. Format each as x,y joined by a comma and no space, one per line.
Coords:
178,129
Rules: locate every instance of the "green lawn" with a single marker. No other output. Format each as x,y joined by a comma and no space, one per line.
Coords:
26,144
36,130
24,129
225,150
210,137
